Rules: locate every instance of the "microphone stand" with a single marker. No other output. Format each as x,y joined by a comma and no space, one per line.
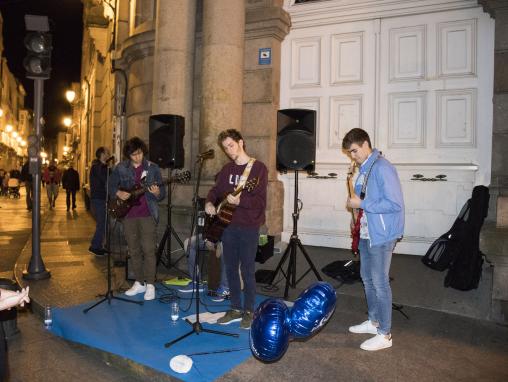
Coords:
197,224
108,296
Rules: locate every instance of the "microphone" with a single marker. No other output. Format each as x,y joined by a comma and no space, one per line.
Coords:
112,157
207,154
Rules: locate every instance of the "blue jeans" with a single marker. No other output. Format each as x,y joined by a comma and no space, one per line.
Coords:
374,269
202,247
99,211
240,247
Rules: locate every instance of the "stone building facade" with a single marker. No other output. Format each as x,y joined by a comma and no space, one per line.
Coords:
197,59
15,120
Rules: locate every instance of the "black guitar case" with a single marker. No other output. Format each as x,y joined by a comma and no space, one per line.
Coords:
458,250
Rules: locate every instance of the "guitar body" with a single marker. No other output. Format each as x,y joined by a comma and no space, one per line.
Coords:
355,234
215,225
119,208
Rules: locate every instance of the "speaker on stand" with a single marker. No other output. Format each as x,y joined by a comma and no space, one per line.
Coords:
296,151
166,133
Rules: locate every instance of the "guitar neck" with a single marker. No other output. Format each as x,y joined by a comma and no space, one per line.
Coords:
225,200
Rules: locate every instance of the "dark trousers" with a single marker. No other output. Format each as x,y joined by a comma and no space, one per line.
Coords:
28,188
68,200
3,354
140,234
240,245
99,211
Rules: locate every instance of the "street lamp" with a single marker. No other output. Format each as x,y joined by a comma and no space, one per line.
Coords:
70,95
67,121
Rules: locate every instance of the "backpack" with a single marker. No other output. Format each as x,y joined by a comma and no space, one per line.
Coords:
446,248
346,271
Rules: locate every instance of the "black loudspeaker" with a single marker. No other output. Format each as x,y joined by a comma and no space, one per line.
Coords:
296,140
166,140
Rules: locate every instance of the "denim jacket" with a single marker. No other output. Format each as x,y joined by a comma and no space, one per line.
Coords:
122,177
383,203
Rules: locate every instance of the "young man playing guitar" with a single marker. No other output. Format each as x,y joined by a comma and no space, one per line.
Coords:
378,193
141,221
240,237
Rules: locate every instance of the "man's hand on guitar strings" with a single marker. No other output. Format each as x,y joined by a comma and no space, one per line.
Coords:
354,201
210,209
123,195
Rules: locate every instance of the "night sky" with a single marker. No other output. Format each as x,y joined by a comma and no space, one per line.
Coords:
66,26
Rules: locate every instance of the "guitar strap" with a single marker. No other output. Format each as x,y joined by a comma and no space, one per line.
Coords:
245,174
364,186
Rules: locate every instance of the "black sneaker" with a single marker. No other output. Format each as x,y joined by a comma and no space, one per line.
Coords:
232,315
99,252
246,320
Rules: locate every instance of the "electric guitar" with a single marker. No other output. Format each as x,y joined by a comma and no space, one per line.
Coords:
355,232
216,224
118,208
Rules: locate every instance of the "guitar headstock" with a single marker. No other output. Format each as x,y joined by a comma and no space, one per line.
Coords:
182,177
351,170
251,184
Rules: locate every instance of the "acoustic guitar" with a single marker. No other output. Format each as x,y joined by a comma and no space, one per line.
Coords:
118,208
355,232
216,224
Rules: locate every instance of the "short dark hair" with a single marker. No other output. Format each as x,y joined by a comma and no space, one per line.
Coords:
134,144
357,136
100,151
234,134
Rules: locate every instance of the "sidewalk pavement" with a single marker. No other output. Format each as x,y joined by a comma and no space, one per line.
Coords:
431,346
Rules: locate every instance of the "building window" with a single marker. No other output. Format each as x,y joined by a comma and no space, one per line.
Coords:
142,12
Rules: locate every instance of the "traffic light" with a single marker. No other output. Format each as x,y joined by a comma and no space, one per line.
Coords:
37,63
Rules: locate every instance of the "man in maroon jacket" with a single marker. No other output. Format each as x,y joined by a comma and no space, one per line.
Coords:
240,238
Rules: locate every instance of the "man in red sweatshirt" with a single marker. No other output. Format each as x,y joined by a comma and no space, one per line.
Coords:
240,238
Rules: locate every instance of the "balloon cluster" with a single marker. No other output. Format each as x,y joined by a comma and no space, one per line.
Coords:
274,324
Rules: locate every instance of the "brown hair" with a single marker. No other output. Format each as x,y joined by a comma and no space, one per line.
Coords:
357,136
234,134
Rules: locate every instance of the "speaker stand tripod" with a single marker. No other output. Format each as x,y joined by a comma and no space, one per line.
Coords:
293,245
108,296
169,232
197,228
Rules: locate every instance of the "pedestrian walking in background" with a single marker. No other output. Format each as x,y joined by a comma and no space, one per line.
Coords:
52,177
70,183
27,178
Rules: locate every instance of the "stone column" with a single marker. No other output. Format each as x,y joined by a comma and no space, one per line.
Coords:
498,253
174,63
266,26
222,75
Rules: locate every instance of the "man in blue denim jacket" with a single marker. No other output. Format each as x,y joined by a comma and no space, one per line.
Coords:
141,221
381,226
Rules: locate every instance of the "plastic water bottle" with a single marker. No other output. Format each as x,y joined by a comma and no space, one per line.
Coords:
48,317
175,310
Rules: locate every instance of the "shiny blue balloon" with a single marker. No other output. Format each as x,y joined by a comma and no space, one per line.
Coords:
269,332
312,309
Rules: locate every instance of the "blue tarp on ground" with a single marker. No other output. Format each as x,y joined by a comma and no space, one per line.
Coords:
139,332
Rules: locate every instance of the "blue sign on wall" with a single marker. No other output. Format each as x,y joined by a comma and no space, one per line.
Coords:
265,56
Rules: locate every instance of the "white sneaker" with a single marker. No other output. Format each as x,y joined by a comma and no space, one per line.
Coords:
136,288
378,342
150,292
364,327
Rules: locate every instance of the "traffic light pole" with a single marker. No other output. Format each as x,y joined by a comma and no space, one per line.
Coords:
36,269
